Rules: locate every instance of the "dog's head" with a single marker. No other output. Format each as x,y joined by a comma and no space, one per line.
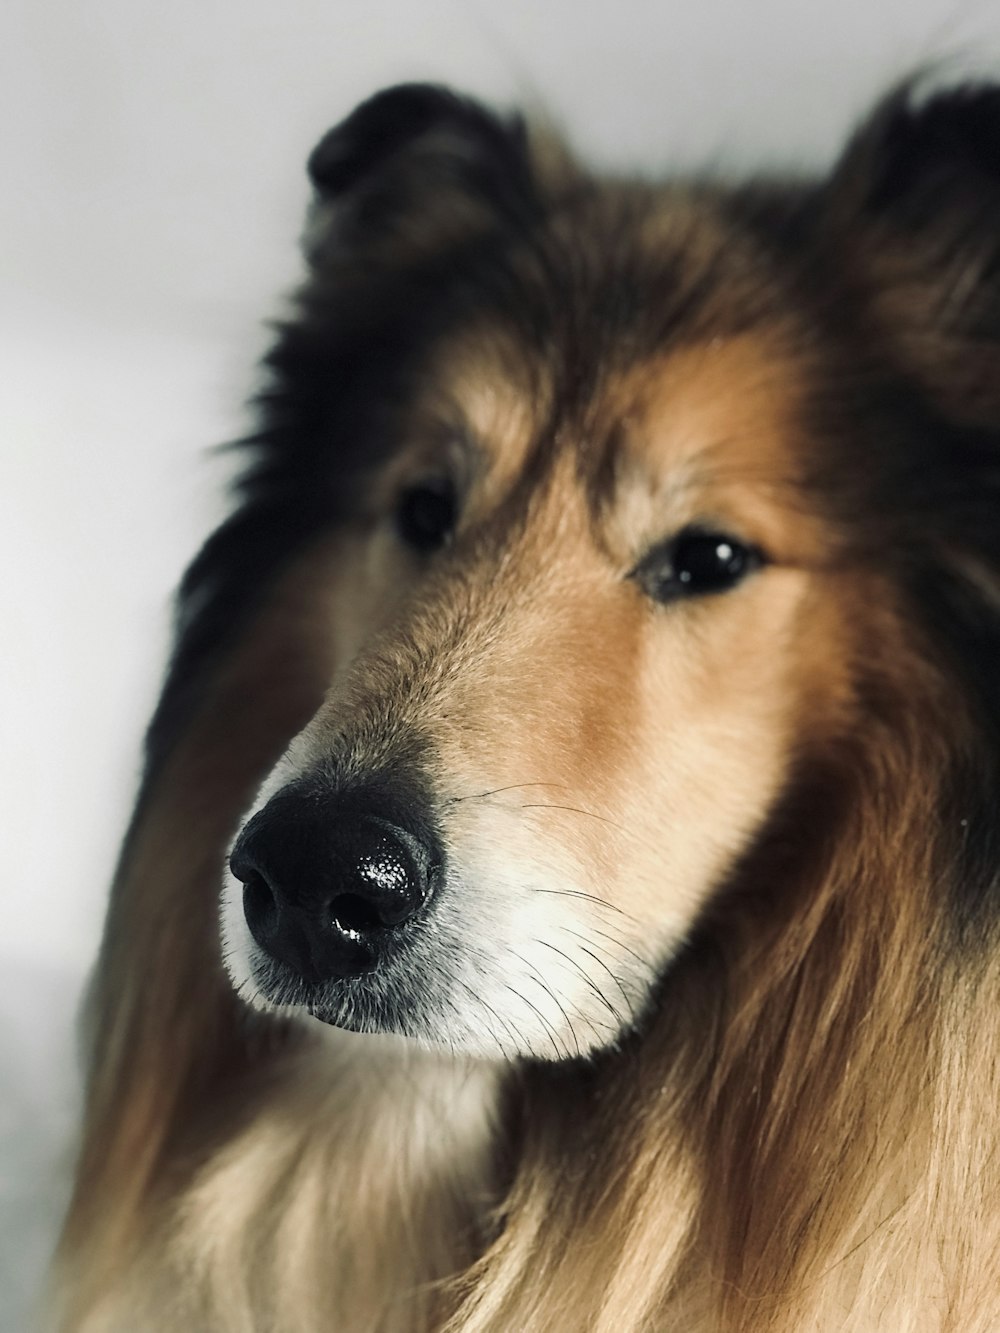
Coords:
623,491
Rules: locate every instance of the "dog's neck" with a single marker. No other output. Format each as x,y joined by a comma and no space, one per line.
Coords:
366,1186
428,1110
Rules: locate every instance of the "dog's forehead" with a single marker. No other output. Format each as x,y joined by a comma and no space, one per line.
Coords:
706,429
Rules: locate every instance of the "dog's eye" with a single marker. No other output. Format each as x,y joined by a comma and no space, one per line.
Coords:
426,514
696,563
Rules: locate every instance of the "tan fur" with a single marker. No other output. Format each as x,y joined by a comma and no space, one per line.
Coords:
785,1132
869,1064
168,1034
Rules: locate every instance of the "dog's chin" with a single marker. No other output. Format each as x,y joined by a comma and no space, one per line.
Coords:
368,1006
385,1024
379,1005
358,1004
368,1017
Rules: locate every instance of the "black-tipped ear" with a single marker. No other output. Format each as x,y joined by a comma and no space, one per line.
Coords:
397,117
920,156
916,198
418,161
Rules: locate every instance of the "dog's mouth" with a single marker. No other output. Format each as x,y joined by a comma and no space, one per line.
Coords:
341,906
381,997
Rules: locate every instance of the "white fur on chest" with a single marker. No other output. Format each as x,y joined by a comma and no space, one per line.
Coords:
361,1179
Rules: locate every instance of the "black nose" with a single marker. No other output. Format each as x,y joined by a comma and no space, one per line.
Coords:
327,889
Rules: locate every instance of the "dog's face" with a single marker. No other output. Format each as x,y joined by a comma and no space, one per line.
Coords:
589,614
574,664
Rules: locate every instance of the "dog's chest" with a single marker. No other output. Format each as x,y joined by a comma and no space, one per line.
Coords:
358,1185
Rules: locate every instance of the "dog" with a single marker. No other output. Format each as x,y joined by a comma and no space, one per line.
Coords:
563,893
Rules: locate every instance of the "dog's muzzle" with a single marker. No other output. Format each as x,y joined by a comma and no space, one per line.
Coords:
331,885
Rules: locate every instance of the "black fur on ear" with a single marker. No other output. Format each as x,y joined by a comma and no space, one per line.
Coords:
417,164
918,156
394,118
915,203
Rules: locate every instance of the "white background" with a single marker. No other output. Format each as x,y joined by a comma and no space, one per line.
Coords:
151,187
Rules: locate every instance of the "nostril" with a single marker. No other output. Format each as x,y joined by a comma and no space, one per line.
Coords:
391,874
353,914
260,907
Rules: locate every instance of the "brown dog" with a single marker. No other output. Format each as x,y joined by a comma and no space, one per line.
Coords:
611,612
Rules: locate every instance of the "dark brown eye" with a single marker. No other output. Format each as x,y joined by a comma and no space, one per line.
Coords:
696,563
426,515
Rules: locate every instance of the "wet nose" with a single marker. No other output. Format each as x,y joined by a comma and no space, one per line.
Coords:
327,890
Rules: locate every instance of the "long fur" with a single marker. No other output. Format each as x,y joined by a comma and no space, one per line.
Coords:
755,1086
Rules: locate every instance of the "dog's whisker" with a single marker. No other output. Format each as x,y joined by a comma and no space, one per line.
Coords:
629,1002
631,834
497,791
585,897
483,1004
573,810
562,1049
546,944
619,944
538,979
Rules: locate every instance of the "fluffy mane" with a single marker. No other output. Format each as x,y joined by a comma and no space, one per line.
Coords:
801,1131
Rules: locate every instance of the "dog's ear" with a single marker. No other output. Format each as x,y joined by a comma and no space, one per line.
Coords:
915,202
414,168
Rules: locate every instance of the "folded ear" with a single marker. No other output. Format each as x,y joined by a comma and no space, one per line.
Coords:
414,168
916,205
